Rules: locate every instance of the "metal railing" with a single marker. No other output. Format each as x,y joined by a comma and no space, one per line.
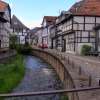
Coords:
49,92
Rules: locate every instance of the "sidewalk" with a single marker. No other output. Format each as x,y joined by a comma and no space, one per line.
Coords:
85,72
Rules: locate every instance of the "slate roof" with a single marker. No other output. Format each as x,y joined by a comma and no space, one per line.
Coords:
86,7
17,24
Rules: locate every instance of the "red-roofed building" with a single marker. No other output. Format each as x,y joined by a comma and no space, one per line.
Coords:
5,24
74,28
47,22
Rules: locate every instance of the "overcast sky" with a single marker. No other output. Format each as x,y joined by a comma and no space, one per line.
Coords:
31,12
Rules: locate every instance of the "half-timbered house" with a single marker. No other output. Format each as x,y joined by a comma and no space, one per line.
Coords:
74,27
5,22
47,22
20,30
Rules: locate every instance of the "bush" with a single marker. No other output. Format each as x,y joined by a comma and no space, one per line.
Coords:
24,49
13,41
64,97
85,49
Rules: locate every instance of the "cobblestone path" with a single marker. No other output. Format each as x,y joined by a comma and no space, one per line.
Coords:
39,76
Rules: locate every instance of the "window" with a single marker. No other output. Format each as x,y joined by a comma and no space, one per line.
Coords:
97,19
92,39
85,34
89,26
81,27
84,39
78,19
89,19
78,39
75,27
92,34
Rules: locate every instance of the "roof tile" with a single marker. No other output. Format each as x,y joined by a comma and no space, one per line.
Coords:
86,7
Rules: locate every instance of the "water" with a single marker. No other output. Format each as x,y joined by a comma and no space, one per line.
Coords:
39,76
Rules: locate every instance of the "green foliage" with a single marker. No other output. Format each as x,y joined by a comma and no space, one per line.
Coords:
24,49
20,48
85,49
64,97
11,74
13,41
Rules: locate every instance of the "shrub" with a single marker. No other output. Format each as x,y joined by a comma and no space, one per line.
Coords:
13,41
24,49
85,49
64,97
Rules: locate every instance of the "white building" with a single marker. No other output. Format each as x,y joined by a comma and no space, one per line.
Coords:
47,22
74,28
36,36
5,23
20,30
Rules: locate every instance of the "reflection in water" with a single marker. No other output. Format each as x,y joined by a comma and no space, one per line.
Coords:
34,62
38,77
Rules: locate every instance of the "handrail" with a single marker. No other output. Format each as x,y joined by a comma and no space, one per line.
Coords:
49,92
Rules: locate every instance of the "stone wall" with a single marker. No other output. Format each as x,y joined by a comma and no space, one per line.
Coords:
60,68
5,56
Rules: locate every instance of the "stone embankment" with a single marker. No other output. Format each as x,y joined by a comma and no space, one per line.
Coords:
74,72
4,56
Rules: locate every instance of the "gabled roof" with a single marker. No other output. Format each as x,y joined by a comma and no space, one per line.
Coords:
16,23
86,7
50,19
36,29
3,6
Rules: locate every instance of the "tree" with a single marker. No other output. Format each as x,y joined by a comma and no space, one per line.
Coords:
13,41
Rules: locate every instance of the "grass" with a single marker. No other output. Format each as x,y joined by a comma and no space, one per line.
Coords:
11,73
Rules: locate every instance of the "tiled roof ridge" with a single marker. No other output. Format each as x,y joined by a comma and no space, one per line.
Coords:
14,18
86,7
3,6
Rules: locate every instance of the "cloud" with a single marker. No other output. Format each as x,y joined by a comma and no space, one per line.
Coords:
34,23
31,24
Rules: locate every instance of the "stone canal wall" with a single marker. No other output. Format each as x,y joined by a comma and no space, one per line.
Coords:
5,56
61,69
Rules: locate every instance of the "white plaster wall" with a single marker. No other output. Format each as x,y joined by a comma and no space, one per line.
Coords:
81,27
75,27
39,34
84,34
79,19
22,39
89,19
99,42
97,19
44,33
89,26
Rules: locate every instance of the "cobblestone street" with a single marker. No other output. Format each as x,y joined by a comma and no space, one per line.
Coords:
39,76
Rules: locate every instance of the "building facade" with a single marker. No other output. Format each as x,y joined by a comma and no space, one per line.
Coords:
48,21
36,36
74,28
20,30
5,24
